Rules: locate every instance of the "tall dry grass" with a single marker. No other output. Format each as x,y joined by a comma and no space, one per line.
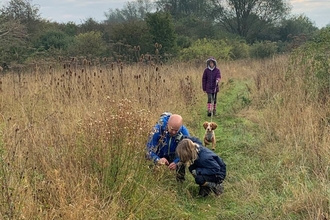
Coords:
297,131
73,136
74,133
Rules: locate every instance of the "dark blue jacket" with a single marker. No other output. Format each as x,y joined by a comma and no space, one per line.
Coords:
162,144
208,163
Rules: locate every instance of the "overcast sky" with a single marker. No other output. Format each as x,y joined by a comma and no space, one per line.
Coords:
79,10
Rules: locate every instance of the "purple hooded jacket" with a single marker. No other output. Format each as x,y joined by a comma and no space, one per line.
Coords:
211,77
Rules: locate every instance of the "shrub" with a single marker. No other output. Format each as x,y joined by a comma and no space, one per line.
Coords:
203,48
53,39
263,49
90,43
240,50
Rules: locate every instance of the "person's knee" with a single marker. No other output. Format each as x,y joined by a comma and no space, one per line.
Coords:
199,180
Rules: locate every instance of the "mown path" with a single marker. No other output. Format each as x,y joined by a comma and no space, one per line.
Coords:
236,138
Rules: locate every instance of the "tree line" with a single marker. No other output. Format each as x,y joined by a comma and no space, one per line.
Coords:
161,30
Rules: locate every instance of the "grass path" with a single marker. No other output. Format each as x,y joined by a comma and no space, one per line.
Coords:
236,141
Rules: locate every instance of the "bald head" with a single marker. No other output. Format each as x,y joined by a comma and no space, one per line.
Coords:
174,124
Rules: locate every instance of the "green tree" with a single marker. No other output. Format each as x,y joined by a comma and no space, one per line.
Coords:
24,12
10,31
132,33
194,27
296,25
20,20
182,8
161,28
88,44
53,39
91,25
12,35
248,18
69,28
136,10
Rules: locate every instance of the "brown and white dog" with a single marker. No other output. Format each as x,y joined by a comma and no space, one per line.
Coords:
209,137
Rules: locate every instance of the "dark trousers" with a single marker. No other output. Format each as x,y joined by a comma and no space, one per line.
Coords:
206,190
201,179
212,98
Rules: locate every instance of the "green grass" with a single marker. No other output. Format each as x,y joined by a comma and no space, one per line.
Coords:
253,186
237,139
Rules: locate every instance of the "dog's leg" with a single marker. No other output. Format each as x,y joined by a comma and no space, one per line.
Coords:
213,144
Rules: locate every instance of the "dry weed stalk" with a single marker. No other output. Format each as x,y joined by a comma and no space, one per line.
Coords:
62,157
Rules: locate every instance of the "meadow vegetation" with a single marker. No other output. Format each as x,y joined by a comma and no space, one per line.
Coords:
73,137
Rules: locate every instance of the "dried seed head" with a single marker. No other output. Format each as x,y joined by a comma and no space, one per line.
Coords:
156,45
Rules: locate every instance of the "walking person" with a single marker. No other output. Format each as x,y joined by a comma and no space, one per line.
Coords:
210,84
208,169
163,141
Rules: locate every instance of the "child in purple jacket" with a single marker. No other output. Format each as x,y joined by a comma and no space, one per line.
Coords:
210,84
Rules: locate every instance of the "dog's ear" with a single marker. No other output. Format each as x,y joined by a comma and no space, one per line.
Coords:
214,125
205,124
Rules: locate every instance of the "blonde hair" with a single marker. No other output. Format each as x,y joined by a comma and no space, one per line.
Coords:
187,151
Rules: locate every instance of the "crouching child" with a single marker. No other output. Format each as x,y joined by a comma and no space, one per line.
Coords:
208,169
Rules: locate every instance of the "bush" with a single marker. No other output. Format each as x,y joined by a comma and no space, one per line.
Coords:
240,50
90,43
263,49
203,48
53,39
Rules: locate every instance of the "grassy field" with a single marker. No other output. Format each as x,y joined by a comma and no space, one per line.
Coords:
73,141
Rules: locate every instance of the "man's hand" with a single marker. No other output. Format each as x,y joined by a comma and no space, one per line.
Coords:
163,161
193,172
